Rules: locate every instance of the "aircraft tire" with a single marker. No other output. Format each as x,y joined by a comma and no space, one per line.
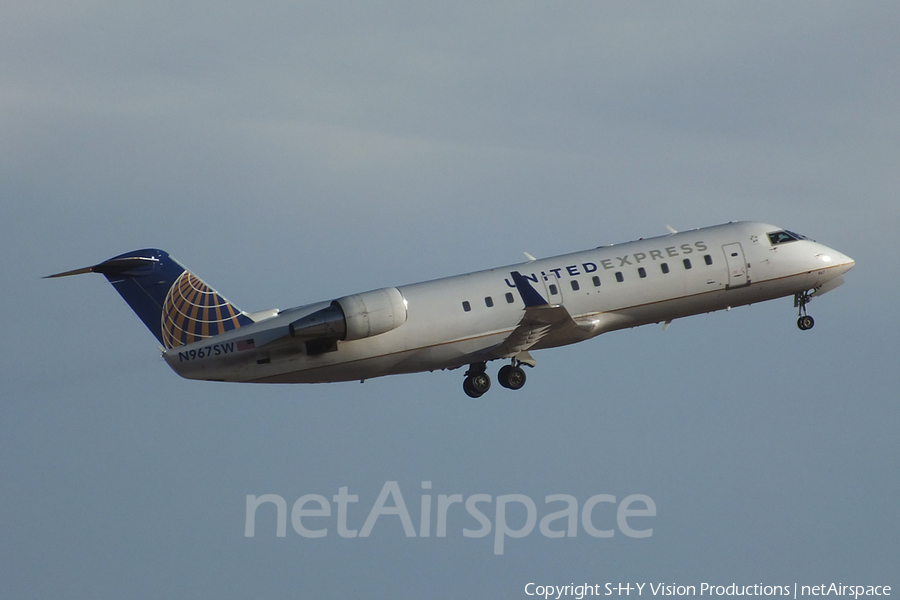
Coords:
511,377
502,375
805,322
468,389
476,385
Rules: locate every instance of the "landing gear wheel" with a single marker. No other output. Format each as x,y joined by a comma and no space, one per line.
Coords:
805,322
476,384
467,388
801,299
511,377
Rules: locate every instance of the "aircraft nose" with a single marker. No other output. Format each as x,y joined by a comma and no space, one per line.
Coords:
847,264
834,259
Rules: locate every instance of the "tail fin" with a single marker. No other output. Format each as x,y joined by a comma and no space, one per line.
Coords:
174,304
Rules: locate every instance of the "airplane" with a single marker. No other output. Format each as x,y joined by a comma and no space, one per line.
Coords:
471,319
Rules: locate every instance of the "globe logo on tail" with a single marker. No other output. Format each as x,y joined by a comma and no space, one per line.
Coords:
193,311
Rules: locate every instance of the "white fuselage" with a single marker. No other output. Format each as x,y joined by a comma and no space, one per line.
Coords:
455,321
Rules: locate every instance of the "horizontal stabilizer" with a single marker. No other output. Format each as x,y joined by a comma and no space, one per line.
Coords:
81,271
130,265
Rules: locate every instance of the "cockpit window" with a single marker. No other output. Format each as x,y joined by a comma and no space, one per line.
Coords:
783,237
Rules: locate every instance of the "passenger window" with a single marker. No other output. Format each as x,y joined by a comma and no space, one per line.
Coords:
509,298
596,280
664,267
642,272
619,277
553,289
466,306
708,259
687,263
575,286
489,302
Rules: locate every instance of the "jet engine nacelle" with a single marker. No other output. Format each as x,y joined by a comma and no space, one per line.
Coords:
372,313
354,317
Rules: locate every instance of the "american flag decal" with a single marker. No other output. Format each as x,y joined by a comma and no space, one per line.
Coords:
246,345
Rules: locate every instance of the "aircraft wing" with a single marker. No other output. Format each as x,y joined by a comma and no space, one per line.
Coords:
540,320
537,323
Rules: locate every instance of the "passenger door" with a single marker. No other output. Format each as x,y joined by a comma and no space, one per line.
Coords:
737,265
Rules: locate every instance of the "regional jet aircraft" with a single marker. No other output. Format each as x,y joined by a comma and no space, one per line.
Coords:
469,320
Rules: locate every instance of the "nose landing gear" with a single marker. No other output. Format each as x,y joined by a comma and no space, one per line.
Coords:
801,299
805,322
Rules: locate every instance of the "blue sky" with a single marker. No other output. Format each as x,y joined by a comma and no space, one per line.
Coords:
289,153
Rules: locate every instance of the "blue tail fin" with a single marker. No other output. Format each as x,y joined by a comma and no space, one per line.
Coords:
174,304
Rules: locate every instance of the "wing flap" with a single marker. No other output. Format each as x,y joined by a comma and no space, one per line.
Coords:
536,324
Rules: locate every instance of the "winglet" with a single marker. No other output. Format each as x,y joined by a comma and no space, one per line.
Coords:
529,295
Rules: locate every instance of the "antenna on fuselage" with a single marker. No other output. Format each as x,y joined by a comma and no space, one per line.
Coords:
671,230
529,257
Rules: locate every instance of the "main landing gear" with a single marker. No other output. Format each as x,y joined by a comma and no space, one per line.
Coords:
801,299
477,382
